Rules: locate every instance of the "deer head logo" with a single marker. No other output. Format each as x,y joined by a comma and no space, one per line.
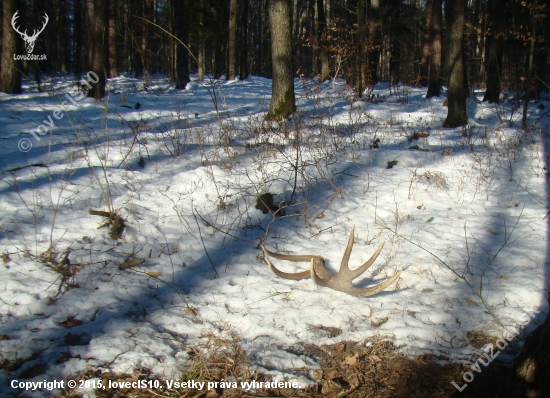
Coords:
29,40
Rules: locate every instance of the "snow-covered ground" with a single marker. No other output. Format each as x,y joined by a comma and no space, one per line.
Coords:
460,206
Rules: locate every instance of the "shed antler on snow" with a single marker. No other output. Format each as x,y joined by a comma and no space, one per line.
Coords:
322,277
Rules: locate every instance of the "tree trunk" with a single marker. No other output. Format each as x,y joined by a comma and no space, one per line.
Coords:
181,67
97,23
282,95
360,47
112,57
202,47
78,38
434,77
244,41
457,94
528,84
321,40
493,51
375,39
232,40
427,46
11,69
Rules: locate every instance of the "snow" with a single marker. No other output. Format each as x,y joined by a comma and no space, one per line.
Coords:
459,207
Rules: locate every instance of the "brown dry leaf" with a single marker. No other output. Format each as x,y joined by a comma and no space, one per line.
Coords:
4,337
71,322
375,358
470,302
333,350
502,277
379,322
191,311
130,264
460,217
51,301
351,361
154,274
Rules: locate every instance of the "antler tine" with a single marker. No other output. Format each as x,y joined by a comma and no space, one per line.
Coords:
317,261
342,280
286,275
344,267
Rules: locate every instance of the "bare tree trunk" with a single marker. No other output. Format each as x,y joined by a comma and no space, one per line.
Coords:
78,37
97,25
282,95
427,46
528,85
232,40
321,39
434,77
456,73
202,47
375,39
113,72
244,41
493,51
181,67
361,39
11,70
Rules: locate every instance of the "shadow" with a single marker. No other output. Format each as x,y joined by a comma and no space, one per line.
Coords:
212,286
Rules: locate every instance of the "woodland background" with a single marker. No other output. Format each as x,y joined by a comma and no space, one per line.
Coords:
363,41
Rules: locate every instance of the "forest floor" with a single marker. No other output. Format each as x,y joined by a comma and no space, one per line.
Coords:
131,230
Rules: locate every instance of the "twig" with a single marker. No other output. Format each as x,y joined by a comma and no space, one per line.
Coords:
203,245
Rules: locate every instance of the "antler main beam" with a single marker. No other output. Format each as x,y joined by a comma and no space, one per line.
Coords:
322,277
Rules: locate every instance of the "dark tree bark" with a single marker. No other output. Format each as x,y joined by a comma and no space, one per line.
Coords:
456,71
11,69
112,56
244,41
375,39
321,39
434,76
202,47
78,64
528,84
232,72
427,46
493,50
96,11
361,39
181,61
282,95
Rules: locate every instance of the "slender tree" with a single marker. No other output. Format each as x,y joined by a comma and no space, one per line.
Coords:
11,69
361,38
244,41
456,71
282,92
321,40
111,46
232,40
434,73
181,54
427,45
493,50
96,12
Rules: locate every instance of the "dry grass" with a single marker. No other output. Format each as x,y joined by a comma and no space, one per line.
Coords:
347,370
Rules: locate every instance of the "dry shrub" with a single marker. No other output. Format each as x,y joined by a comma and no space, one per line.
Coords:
433,178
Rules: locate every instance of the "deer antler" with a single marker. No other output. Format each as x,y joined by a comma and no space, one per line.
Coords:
342,280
